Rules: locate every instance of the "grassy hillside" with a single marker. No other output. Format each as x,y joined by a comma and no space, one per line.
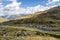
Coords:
2,20
46,18
9,33
49,17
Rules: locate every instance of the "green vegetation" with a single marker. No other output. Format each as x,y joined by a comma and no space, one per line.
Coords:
24,34
48,18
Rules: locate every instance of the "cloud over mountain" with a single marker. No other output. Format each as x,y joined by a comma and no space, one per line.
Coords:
15,7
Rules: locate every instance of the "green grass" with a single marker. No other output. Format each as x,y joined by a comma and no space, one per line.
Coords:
47,18
12,32
9,33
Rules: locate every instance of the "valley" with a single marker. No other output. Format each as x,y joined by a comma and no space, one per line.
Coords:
24,32
43,25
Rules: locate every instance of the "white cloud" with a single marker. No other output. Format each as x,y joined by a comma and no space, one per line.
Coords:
1,3
19,10
52,1
13,5
15,8
37,8
12,0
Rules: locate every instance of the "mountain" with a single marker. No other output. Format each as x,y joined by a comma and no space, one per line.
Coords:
12,17
50,17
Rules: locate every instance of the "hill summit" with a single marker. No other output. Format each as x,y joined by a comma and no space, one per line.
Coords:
50,17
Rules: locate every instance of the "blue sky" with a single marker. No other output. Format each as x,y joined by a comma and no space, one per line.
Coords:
26,3
26,6
30,3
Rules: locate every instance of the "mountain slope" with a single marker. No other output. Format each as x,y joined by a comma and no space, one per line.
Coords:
49,17
2,20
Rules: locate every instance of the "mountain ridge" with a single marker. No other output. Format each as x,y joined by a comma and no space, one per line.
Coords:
49,17
12,17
